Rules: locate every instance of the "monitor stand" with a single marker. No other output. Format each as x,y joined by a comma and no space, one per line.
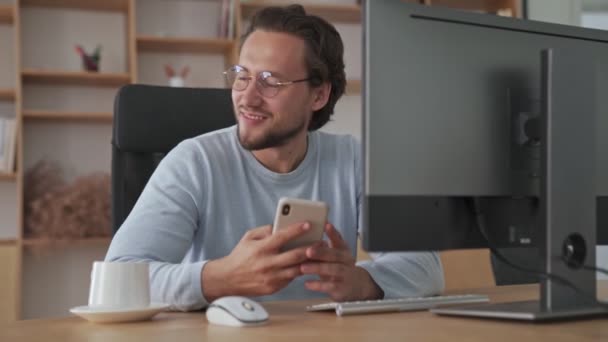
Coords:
567,196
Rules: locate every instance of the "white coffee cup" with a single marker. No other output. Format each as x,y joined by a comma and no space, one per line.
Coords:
119,285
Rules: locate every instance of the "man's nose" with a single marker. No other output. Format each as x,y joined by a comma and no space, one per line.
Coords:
251,95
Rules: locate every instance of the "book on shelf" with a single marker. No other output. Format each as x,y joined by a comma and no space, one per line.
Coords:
8,144
226,24
505,12
2,143
231,22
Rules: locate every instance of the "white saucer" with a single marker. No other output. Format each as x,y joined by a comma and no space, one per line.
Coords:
97,315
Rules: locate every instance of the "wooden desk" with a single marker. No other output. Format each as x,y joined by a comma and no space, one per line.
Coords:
289,322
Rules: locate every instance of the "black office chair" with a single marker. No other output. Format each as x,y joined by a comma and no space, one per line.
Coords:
148,122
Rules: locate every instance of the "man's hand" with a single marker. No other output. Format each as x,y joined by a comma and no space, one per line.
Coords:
340,278
255,267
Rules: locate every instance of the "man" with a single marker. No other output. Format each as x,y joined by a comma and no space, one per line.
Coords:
194,220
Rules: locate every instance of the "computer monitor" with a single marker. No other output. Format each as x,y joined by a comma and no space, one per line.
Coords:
469,115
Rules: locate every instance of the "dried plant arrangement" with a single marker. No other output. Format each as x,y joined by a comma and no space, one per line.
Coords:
56,210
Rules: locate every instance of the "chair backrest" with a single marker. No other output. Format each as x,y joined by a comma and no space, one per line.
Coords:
148,122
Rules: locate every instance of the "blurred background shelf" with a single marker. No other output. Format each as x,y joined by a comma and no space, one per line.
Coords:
494,6
98,5
336,13
82,78
33,242
67,116
6,14
184,45
353,87
7,176
7,94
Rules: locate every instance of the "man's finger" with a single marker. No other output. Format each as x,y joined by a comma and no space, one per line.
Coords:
258,233
328,254
324,269
289,273
320,286
282,236
334,236
289,258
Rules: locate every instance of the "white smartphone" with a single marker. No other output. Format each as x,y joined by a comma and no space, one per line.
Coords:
295,210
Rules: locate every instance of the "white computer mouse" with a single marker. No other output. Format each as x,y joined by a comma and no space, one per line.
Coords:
236,311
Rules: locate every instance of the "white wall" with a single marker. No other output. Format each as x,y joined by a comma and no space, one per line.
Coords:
566,12
598,20
594,5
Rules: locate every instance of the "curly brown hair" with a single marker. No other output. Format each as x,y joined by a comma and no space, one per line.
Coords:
325,50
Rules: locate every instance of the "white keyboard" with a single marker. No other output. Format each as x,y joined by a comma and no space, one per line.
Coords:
398,304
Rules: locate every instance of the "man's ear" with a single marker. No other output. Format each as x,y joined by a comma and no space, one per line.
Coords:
321,96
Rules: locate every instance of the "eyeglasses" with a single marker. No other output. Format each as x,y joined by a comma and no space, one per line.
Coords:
265,83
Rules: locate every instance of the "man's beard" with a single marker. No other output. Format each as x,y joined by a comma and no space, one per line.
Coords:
272,139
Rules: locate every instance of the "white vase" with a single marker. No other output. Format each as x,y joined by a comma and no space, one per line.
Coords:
176,82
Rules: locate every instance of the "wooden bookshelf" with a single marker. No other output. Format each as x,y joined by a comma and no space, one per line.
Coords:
81,78
8,176
181,45
335,13
6,14
37,242
67,116
96,5
8,242
7,94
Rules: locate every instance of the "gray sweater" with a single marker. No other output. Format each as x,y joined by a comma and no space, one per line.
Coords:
208,191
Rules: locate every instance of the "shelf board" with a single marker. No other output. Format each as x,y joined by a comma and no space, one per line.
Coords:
334,13
94,5
476,5
175,45
8,176
67,116
81,78
7,94
8,242
6,14
35,242
353,87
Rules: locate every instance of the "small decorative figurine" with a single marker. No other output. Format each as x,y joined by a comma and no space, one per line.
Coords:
90,62
176,80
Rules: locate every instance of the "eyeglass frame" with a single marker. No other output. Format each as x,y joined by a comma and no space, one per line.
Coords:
260,80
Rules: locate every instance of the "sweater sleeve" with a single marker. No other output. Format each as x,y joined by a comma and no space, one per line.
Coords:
160,229
406,274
